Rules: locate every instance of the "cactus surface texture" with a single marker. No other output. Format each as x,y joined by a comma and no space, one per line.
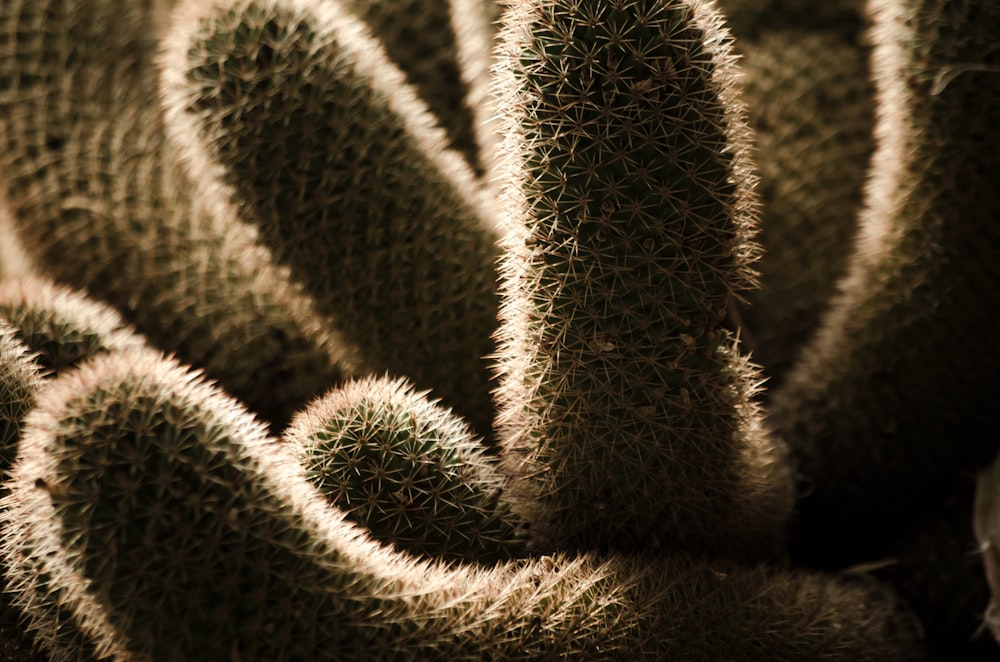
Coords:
156,502
407,469
100,202
626,409
344,171
62,327
428,330
419,38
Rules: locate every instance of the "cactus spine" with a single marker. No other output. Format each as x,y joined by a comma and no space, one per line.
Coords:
198,537
99,199
625,407
407,469
892,405
342,169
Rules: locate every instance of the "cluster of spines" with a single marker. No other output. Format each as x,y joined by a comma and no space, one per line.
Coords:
342,168
625,407
408,470
132,462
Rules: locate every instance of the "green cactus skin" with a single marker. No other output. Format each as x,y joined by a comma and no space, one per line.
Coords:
893,403
810,105
408,470
62,326
626,411
341,167
147,490
102,203
419,37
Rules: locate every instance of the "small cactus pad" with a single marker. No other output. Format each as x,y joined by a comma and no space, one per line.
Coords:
407,469
62,326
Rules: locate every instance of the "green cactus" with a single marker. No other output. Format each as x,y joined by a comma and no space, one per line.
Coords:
63,327
407,469
892,405
342,169
101,203
625,408
810,105
176,529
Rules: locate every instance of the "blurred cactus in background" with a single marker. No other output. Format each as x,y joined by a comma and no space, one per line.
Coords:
499,329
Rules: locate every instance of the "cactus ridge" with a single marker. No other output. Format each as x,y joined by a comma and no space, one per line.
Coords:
407,469
347,177
155,494
625,408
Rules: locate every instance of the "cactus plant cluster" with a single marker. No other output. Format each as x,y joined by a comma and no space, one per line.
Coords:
509,330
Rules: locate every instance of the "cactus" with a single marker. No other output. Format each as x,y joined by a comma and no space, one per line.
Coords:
342,169
407,469
625,408
100,202
150,516
61,326
20,380
193,535
891,406
811,108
